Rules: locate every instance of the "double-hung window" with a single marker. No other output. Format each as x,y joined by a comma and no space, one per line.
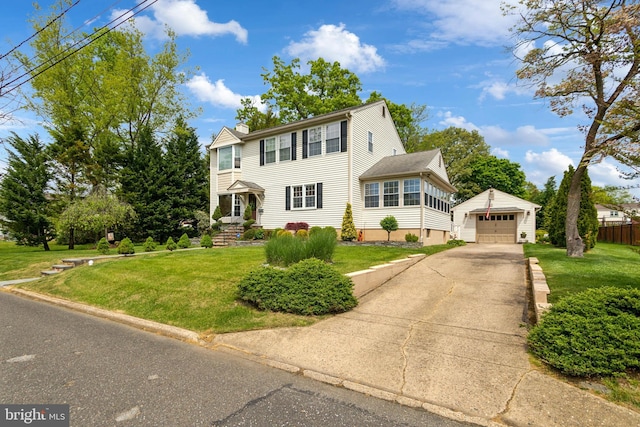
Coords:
391,194
304,196
333,138
411,192
270,150
315,141
372,195
284,147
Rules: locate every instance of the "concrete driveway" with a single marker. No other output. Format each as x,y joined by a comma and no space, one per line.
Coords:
449,330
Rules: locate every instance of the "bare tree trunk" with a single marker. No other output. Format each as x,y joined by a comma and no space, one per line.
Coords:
575,246
72,238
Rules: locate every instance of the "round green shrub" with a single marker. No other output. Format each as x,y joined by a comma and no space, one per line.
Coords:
591,333
284,233
171,244
103,246
410,238
259,234
302,234
184,241
249,234
206,241
313,230
149,245
310,287
126,247
456,242
248,223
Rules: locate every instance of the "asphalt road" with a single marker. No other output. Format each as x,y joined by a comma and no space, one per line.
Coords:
115,375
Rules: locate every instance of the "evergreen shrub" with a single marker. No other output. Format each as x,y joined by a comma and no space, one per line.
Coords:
302,233
126,247
456,242
149,245
314,229
249,234
259,234
248,223
206,241
591,333
184,241
348,231
171,244
103,246
310,287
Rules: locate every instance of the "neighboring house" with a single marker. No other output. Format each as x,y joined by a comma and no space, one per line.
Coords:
494,216
616,215
307,171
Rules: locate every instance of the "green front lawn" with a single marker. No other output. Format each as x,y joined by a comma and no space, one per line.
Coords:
195,290
607,264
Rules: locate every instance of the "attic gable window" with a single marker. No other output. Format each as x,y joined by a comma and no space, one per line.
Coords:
370,141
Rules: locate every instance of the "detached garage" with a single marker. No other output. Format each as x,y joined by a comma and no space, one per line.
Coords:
495,217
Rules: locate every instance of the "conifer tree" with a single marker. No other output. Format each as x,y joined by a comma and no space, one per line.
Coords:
348,232
23,192
587,218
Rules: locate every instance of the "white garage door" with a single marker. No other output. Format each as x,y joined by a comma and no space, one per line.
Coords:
498,228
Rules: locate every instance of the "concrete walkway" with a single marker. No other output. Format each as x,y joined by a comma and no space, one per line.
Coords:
448,334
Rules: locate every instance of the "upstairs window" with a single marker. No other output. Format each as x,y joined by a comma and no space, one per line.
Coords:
284,144
370,141
315,141
270,150
333,138
229,157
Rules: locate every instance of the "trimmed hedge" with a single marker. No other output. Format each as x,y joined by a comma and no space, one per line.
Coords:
310,287
591,333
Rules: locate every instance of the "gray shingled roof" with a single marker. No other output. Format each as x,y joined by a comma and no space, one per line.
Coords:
402,164
247,184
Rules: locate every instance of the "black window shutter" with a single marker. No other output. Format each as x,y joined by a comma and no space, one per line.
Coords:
343,136
319,195
305,144
287,198
294,146
262,152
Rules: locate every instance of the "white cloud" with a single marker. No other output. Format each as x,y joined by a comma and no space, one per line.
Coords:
217,94
186,18
498,152
448,119
463,21
334,43
540,166
499,89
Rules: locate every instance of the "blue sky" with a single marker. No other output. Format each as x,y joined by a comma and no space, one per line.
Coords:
450,56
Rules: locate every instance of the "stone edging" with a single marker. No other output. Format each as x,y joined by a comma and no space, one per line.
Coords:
539,288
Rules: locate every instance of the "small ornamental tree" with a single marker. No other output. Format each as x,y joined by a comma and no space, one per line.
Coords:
184,241
217,214
149,245
348,232
171,244
389,224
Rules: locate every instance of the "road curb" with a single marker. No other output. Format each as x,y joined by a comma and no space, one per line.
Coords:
136,322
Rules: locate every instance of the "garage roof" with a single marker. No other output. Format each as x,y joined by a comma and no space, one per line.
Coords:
496,210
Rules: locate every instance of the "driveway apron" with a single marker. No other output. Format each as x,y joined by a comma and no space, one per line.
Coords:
450,330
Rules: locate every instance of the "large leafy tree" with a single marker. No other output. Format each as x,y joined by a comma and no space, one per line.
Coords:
108,89
24,190
586,53
325,88
461,149
610,195
492,172
587,217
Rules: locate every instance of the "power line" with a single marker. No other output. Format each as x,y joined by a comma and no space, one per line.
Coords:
47,25
100,32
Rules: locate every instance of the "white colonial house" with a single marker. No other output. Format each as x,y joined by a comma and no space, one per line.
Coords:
494,216
307,171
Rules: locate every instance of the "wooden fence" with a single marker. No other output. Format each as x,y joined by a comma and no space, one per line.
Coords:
628,234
